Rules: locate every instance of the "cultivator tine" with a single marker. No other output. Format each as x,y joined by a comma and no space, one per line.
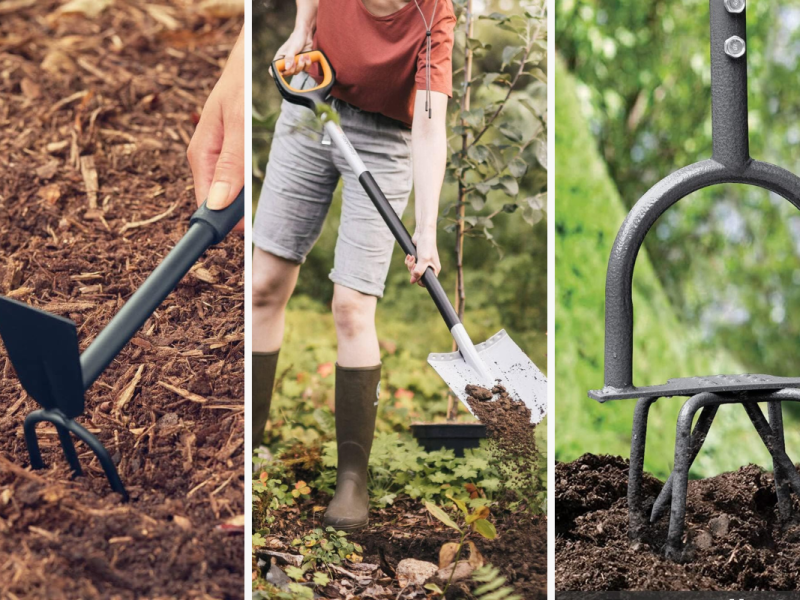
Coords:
782,487
636,513
66,426
770,440
698,439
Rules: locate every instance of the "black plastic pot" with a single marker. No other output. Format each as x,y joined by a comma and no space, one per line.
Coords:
451,436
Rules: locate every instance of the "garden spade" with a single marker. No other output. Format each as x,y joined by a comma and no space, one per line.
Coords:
498,359
43,347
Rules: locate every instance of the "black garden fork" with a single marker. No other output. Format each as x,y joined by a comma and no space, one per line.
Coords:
730,163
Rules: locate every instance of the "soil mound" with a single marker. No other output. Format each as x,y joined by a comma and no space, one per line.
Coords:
734,535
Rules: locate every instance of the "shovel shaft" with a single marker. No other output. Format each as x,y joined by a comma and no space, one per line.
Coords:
400,233
207,228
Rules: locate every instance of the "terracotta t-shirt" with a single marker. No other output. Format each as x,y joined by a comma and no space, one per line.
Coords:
380,61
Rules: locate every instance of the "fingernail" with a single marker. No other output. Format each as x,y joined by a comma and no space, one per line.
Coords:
218,196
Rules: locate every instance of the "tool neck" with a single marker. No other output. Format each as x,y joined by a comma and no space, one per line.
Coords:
145,300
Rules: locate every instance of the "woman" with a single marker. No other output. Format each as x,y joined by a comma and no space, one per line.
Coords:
394,76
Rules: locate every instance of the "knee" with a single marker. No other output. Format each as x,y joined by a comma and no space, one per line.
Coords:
353,313
268,290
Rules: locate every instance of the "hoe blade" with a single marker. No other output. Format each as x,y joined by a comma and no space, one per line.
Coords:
43,348
509,365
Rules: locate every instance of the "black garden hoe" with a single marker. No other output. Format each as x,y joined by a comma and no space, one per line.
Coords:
730,163
498,359
43,347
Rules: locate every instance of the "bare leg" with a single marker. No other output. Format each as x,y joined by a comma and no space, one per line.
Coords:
354,316
274,280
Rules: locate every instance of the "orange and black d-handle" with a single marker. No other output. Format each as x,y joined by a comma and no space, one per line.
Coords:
310,97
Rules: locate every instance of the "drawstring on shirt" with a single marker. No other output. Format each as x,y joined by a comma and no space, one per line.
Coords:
428,26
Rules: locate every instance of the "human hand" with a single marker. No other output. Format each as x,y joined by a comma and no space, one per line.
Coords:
216,152
300,41
427,256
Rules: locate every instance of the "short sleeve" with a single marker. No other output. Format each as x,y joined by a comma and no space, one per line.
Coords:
442,40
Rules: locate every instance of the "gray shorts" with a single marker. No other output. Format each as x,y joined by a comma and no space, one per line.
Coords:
302,175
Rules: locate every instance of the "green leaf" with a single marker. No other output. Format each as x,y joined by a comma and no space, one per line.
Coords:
511,132
432,587
485,528
509,53
518,167
510,208
479,153
459,503
295,573
442,516
321,579
509,185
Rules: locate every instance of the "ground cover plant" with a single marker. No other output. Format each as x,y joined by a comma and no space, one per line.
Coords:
98,102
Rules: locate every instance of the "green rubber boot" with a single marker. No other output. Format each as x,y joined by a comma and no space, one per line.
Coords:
357,391
264,366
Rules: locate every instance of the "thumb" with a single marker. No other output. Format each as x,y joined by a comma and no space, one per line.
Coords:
228,173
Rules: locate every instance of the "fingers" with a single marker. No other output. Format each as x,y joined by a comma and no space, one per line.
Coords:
204,149
228,177
417,269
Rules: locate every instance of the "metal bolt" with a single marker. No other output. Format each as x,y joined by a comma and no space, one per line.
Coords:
735,6
735,47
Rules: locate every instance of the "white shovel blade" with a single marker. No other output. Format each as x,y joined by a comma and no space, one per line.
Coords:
507,363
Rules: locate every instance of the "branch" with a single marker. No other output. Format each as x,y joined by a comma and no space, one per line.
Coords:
520,71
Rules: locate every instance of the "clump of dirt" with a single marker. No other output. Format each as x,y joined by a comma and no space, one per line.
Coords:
95,117
508,424
735,539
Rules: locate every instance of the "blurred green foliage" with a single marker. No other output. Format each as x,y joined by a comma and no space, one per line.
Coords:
589,212
727,256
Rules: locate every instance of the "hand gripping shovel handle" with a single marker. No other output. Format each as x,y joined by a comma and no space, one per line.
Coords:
207,227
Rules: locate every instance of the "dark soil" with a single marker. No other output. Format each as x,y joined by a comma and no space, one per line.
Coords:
508,425
95,117
735,538
407,530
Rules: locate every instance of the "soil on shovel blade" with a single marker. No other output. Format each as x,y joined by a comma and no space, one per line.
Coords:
735,538
95,116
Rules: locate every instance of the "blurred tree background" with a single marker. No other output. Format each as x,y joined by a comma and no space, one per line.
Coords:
715,288
505,253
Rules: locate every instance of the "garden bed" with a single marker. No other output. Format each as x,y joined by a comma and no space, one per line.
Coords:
406,530
736,540
96,112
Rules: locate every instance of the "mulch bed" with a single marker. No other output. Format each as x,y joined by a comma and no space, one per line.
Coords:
407,530
95,116
736,540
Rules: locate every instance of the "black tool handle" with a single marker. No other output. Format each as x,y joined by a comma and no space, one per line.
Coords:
207,228
400,233
221,221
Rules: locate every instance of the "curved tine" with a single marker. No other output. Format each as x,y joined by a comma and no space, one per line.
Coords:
680,473
637,519
31,442
698,439
770,441
782,488
69,449
102,455
667,192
